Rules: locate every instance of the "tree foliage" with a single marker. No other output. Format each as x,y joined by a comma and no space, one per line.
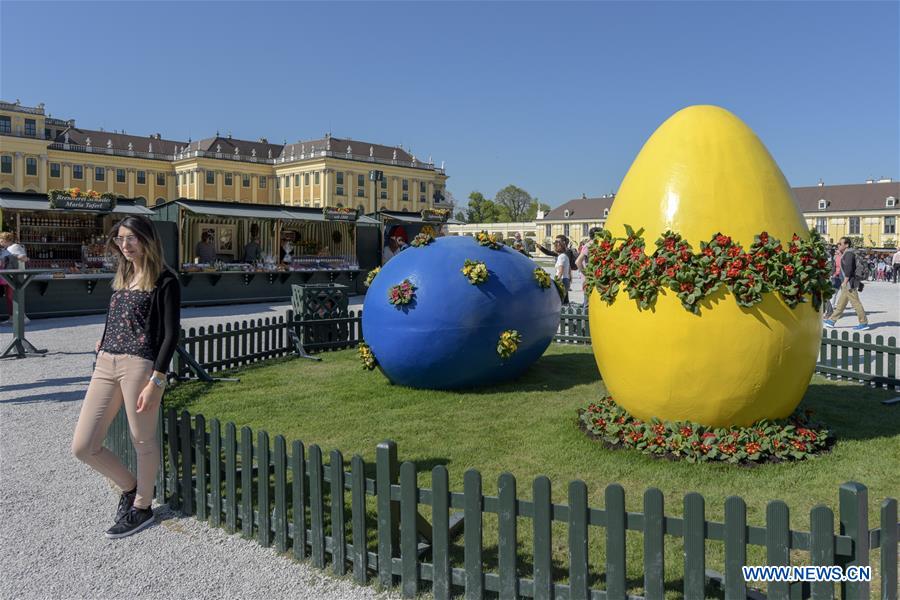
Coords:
515,201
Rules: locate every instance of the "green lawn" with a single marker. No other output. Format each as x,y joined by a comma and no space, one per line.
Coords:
528,429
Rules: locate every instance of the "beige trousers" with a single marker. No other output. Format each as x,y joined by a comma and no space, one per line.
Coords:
851,296
118,379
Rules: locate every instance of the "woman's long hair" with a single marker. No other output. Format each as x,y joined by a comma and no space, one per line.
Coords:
152,262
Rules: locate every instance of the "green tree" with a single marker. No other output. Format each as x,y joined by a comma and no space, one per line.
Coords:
515,201
481,209
460,216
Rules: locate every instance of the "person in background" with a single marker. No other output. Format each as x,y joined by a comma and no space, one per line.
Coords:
12,256
252,251
519,247
583,253
850,286
563,268
895,266
880,268
204,250
396,243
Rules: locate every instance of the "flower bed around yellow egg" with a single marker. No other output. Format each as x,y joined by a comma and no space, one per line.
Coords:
795,270
795,438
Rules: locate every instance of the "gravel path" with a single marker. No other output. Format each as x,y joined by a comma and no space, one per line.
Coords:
54,509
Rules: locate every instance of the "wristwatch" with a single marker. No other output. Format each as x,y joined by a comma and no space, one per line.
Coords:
157,381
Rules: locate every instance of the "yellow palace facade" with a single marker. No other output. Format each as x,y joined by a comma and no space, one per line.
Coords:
39,153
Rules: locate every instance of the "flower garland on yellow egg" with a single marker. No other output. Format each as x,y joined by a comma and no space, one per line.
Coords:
542,278
475,271
798,270
366,356
423,239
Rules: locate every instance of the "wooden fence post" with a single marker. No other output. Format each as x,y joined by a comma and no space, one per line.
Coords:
387,473
854,510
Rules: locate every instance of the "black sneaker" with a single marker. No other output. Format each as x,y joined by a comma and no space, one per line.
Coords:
133,521
126,501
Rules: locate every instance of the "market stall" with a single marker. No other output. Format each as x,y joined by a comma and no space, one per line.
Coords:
65,231
404,226
229,252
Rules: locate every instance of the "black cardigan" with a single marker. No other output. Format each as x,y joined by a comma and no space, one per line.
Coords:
164,323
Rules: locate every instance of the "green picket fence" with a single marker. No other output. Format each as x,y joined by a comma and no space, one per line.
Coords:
855,358
284,495
240,343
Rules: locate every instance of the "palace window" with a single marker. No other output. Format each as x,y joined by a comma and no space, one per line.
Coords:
823,204
605,212
245,181
360,192
890,224
142,177
405,187
77,171
296,180
384,184
262,181
360,180
46,133
287,181
306,179
229,179
160,179
854,226
584,229
210,177
821,225
5,164
31,166
566,230
890,202
547,231
383,195
99,173
277,183
405,196
339,178
5,125
30,128
421,187
120,175
54,170
316,178
192,178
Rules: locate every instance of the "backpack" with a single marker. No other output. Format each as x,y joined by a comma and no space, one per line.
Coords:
572,256
862,268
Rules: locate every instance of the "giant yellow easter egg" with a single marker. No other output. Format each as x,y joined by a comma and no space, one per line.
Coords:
702,172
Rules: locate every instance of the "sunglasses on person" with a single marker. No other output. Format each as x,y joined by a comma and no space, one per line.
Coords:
122,240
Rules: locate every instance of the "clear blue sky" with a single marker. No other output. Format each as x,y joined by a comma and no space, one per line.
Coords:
556,98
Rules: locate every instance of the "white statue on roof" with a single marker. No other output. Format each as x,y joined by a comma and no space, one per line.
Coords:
371,151
349,149
236,151
395,154
253,152
109,143
218,148
150,148
270,153
130,146
87,142
66,137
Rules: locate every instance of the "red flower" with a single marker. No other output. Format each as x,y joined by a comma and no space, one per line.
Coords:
764,237
778,249
605,245
660,261
623,270
686,431
789,270
687,287
723,240
795,238
670,272
821,263
636,252
685,255
794,250
708,251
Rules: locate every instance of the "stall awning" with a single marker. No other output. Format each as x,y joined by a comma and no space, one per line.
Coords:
261,211
25,201
409,217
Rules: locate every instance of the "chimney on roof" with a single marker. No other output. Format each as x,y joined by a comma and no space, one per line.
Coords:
821,183
885,180
263,140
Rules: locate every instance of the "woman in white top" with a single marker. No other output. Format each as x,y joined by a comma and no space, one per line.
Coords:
10,253
563,268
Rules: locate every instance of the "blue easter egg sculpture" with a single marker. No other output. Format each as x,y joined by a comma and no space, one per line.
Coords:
447,336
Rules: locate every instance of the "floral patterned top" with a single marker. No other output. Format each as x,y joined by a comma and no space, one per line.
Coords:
126,324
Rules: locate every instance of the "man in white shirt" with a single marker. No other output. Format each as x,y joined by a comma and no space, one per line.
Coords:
563,268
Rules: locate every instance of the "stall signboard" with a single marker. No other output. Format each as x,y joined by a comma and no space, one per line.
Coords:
68,201
333,213
436,215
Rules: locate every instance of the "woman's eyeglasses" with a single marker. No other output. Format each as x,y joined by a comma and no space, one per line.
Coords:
128,239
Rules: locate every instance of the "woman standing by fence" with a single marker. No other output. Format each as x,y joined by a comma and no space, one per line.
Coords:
133,354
